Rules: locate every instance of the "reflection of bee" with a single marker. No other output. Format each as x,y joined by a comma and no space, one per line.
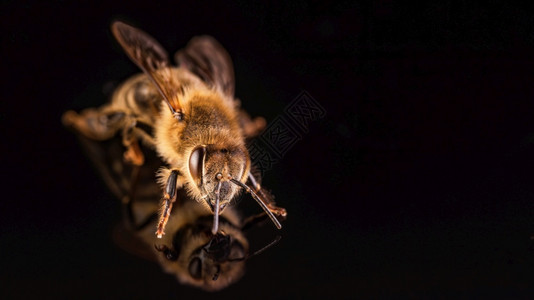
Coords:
197,126
189,251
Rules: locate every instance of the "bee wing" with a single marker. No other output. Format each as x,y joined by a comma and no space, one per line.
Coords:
207,59
150,56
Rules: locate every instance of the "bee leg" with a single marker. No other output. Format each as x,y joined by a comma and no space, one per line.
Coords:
251,127
267,198
133,153
131,135
276,210
104,122
169,197
263,198
96,124
144,136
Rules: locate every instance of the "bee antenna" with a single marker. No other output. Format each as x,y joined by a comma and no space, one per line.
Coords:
260,202
274,242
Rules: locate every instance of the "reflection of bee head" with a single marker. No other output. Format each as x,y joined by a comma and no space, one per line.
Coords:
196,256
202,259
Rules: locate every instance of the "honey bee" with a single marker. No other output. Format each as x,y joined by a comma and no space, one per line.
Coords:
189,116
190,251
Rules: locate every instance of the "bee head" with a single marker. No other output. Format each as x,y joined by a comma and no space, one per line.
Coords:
212,167
218,173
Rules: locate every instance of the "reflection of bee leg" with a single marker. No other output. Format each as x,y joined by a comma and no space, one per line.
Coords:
251,127
267,198
254,220
169,197
130,200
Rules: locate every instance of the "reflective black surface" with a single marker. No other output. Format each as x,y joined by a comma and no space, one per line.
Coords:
417,182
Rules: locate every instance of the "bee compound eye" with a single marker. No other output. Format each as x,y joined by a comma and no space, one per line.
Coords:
196,163
195,268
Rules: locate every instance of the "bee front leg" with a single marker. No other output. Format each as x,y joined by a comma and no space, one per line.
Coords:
263,198
267,198
251,127
169,197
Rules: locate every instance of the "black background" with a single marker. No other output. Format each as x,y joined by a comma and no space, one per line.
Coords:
417,183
